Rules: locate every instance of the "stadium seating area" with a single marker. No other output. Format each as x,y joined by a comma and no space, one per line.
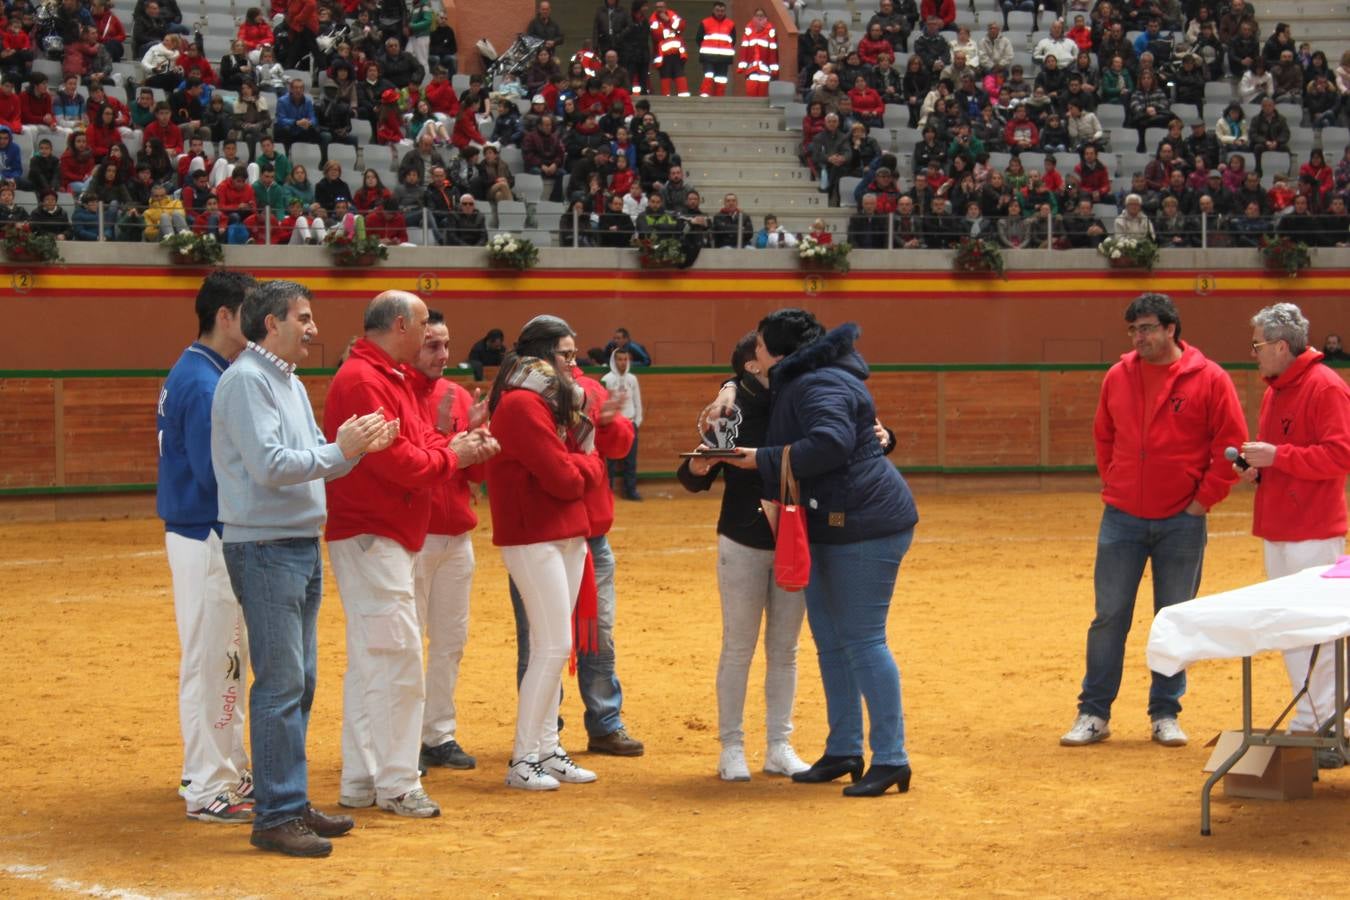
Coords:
360,112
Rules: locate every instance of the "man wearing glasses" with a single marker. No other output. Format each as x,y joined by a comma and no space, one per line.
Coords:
468,228
1165,416
1298,463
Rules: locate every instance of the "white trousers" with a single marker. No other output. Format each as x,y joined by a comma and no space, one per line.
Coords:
308,231
382,688
214,657
1285,558
222,169
548,576
749,595
444,579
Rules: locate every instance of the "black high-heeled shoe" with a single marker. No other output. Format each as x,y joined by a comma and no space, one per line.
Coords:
878,781
828,768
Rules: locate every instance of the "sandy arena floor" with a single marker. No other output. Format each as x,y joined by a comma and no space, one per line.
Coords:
988,624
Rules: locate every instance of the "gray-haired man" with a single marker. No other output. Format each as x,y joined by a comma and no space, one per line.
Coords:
270,461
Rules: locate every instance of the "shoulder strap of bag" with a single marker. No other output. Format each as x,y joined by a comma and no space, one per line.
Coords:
789,493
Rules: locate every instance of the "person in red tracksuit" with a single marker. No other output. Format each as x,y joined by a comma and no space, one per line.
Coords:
376,526
596,681
1298,463
758,55
537,487
668,50
445,566
1165,417
716,41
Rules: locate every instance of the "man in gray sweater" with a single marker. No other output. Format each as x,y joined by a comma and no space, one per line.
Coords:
271,460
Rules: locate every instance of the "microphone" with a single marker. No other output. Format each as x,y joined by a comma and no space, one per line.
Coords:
1236,458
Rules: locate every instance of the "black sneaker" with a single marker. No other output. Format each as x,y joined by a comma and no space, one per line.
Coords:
449,755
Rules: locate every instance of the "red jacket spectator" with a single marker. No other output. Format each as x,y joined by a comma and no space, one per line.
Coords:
101,139
75,166
1153,465
11,115
867,102
78,57
389,226
466,130
1095,180
16,40
1019,131
186,160
122,115
390,130
1082,36
1301,496
588,102
869,49
536,484
441,96
109,28
392,497
451,500
303,14
943,9
258,229
620,94
232,196
367,199
170,135
258,34
1322,174
612,441
200,64
550,94
34,109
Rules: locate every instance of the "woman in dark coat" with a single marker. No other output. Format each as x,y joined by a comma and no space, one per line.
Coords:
860,519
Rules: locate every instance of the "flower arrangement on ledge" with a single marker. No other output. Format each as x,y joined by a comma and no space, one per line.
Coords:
513,252
354,249
977,256
1284,254
815,255
660,253
1127,251
187,248
23,244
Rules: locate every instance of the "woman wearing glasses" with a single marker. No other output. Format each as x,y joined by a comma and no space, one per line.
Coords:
536,487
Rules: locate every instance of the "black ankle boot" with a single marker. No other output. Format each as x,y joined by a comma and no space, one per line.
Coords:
828,768
878,781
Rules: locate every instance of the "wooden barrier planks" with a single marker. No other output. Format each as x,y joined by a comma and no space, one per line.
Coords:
27,432
108,430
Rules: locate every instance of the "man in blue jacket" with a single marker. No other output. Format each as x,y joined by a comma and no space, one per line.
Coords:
216,782
296,120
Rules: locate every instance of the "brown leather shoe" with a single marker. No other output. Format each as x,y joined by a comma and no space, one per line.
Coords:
616,743
328,826
293,838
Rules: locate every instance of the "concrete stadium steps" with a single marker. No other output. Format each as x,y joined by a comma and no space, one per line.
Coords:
735,147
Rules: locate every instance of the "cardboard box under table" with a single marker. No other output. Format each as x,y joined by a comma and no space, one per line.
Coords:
1299,610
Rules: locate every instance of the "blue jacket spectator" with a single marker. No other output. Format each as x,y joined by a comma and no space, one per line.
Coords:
84,222
11,158
289,110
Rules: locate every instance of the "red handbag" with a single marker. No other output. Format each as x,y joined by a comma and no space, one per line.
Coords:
792,549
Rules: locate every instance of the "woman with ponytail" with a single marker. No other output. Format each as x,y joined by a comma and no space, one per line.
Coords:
536,488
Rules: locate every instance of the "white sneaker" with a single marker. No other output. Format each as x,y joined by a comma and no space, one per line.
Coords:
731,766
357,799
415,805
529,775
781,759
563,768
1168,733
1087,730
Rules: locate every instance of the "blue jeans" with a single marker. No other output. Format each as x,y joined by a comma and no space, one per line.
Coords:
847,603
627,469
1176,546
599,686
279,584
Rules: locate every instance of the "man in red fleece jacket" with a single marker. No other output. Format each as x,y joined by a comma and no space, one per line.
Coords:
445,565
1165,417
376,526
1298,463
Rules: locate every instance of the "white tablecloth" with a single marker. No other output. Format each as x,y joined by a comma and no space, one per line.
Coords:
1295,611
